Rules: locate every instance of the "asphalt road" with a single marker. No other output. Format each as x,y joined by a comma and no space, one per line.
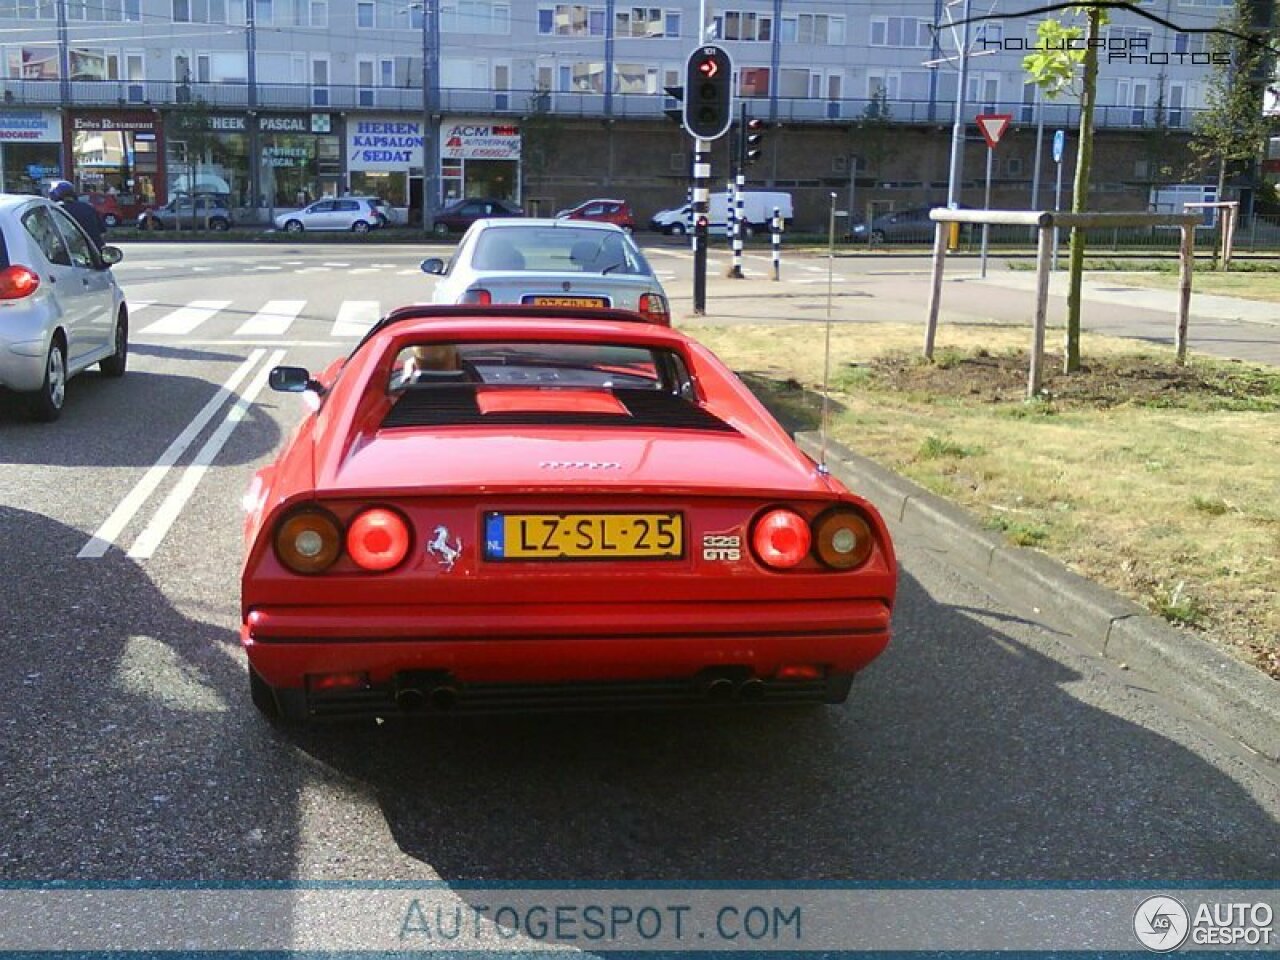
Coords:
983,746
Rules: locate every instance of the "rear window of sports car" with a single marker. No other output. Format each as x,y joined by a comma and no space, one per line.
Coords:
522,382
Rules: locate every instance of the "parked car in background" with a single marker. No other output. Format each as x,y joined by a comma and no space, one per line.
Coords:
108,207
757,212
556,263
62,309
187,212
457,217
602,211
900,226
357,214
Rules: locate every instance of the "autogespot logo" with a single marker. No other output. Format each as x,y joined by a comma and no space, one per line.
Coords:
1161,924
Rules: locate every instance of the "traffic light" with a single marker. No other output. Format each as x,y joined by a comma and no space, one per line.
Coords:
752,135
708,89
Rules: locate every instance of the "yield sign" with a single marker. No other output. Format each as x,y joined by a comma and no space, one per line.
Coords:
993,125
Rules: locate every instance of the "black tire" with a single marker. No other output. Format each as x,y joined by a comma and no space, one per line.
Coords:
676,230
441,229
46,403
219,224
111,220
877,236
263,696
114,365
360,226
293,226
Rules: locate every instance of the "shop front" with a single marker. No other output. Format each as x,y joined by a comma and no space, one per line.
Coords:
30,150
479,159
381,153
299,160
118,155
210,153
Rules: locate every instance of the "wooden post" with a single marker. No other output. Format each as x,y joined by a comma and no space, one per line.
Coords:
1044,260
1184,289
935,288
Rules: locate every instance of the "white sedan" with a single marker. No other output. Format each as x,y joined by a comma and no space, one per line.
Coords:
61,310
558,263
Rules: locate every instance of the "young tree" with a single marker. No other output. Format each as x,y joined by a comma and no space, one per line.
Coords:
1231,132
540,135
1053,67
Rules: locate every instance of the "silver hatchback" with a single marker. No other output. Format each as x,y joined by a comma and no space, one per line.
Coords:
61,310
558,263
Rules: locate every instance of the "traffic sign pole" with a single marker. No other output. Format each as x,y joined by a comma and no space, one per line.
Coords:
986,205
1059,142
992,127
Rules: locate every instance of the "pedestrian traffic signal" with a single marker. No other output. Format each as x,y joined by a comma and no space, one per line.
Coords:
752,135
708,89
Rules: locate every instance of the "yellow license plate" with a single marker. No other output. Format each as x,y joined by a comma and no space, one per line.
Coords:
583,536
567,301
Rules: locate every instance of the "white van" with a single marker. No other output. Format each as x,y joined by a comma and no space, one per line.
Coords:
757,211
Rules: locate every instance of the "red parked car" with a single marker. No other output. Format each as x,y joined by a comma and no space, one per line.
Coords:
505,507
603,211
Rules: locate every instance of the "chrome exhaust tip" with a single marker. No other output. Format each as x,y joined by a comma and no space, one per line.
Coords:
720,690
751,691
444,698
410,700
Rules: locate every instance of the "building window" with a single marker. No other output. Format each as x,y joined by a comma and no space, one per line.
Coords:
199,11
633,78
639,22
744,25
753,82
474,16
673,23
571,20
900,32
588,77
365,15
882,85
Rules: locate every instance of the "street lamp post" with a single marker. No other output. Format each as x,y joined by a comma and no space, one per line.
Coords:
430,110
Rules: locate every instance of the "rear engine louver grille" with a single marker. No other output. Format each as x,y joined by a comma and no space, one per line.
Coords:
439,406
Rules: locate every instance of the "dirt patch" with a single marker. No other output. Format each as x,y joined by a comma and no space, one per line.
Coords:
1101,383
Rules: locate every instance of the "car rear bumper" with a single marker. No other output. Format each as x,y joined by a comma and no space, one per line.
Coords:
651,658
23,348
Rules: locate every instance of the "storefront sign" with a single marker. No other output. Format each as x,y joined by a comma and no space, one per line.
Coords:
308,123
115,122
478,140
214,124
383,145
285,156
40,126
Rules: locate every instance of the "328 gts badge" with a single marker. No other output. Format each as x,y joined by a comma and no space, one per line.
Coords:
716,546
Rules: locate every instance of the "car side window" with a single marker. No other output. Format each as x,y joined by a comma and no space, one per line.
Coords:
346,205
79,245
39,224
324,206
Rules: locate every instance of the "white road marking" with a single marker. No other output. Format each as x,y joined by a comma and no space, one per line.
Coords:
328,264
154,532
185,319
364,270
264,267
385,266
355,317
136,306
665,252
111,528
816,280
293,263
201,269
408,273
313,270
273,319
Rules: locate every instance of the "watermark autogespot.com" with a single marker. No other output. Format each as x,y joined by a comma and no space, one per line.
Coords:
1163,923
1127,50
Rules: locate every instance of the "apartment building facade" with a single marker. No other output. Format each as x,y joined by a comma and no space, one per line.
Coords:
273,102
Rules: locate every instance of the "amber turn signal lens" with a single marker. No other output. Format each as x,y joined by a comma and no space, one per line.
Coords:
781,538
378,539
308,541
843,539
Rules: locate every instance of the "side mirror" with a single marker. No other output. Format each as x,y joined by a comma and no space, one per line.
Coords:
289,379
111,255
432,265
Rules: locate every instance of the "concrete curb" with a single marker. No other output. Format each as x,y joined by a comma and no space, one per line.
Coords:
1232,695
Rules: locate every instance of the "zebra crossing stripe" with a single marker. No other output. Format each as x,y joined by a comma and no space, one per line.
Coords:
136,306
355,317
185,319
273,319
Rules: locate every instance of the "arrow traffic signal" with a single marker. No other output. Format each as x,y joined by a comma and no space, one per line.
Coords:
708,102
752,135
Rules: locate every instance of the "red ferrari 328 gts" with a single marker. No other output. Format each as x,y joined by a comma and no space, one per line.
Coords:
507,508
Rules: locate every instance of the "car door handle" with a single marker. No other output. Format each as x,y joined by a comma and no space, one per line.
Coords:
53,279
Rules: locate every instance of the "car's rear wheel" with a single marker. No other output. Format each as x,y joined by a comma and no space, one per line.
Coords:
114,365
263,696
111,220
219,223
360,226
293,226
676,230
442,229
877,236
46,403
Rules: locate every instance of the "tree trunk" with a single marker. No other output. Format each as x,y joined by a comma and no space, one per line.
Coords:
1218,214
1080,191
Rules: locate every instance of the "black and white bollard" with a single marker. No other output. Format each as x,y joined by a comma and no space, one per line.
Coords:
776,239
739,226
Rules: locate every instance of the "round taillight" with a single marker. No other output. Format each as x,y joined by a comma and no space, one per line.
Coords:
17,283
378,539
843,539
308,541
781,538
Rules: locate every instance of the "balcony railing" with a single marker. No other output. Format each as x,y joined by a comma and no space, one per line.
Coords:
516,103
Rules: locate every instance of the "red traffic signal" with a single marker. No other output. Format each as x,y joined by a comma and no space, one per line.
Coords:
708,102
